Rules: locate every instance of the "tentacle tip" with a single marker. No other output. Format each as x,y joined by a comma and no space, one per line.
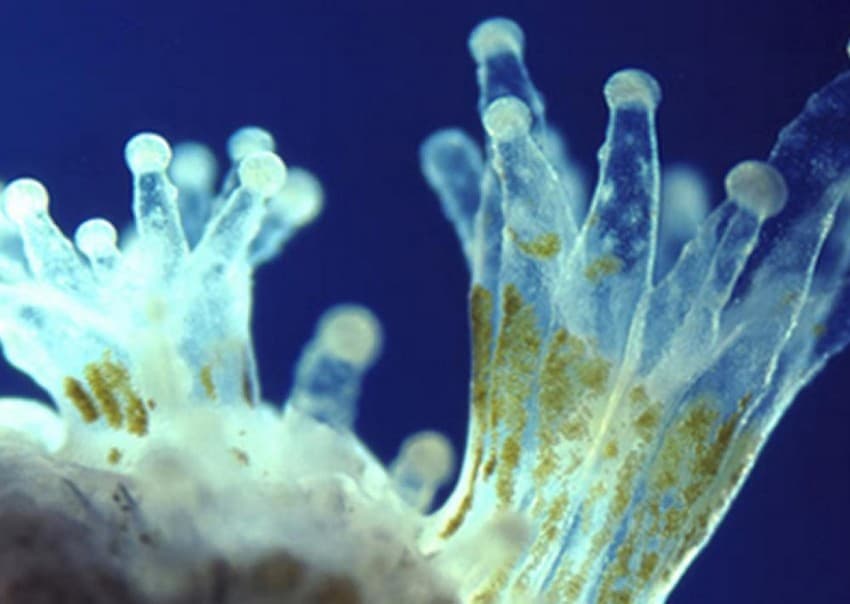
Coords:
496,36
430,454
147,152
632,86
95,235
302,195
435,148
249,140
353,333
441,139
757,187
23,198
507,117
194,166
262,172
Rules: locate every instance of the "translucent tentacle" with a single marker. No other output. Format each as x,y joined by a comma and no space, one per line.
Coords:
452,165
684,206
193,171
423,465
332,366
617,245
97,239
497,45
220,261
155,202
297,204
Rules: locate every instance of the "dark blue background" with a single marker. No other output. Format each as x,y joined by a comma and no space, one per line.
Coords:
351,89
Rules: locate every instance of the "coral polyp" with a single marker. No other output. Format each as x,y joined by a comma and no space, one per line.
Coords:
631,352
626,373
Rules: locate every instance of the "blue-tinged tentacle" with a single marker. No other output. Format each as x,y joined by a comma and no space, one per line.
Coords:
157,217
452,164
613,259
497,45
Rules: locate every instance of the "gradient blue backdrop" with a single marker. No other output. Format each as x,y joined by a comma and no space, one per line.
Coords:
351,89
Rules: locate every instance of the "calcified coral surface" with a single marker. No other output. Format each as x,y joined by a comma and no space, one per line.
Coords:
624,375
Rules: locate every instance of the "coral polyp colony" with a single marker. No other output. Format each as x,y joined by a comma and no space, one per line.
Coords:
631,352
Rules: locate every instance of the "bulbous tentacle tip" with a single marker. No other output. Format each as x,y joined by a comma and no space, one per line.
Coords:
630,86
757,187
302,196
438,140
262,172
507,117
431,454
147,152
496,36
23,198
424,464
94,236
353,333
249,140
194,167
